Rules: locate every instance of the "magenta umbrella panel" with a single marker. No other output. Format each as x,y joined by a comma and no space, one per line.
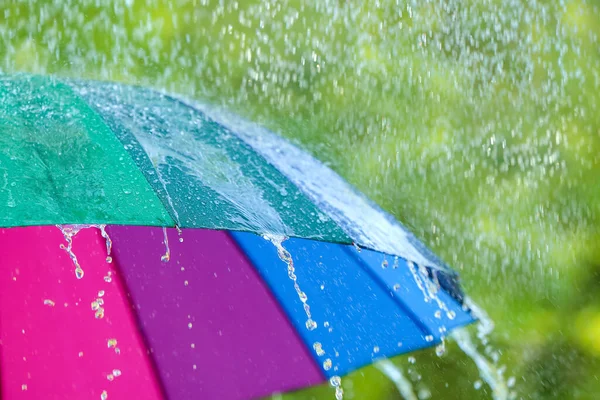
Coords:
222,315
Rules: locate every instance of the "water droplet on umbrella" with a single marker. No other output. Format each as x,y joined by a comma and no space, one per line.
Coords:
111,343
49,302
429,338
110,377
412,360
376,349
327,364
477,385
24,387
384,264
397,287
311,324
104,395
189,325
319,349
116,372
100,293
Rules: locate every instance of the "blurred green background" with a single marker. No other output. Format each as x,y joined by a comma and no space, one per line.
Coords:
475,122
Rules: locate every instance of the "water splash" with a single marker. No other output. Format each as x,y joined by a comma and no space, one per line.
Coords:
395,374
286,257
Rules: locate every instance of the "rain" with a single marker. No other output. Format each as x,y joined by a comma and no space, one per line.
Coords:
474,123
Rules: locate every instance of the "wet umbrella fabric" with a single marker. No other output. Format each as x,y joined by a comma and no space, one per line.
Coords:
222,319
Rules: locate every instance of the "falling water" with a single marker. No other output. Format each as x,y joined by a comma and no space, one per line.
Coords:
108,242
69,231
488,371
167,256
286,257
395,374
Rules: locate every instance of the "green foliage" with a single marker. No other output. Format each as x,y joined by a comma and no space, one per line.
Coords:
474,122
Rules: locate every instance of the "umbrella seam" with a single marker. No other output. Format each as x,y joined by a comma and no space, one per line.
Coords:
288,318
103,119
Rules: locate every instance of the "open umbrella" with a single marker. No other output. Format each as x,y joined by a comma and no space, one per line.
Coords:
289,276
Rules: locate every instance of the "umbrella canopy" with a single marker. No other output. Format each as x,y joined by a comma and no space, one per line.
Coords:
232,309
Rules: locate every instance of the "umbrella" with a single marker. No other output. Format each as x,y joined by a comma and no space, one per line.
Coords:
275,273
